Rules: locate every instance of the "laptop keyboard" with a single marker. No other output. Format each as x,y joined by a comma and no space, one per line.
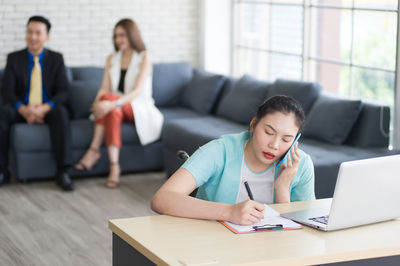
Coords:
321,219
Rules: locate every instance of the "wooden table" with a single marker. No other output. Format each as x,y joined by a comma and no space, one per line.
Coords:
166,240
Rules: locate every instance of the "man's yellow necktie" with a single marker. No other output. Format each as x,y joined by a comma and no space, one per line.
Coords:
35,94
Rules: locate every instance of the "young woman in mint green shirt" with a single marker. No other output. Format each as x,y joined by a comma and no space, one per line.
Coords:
220,168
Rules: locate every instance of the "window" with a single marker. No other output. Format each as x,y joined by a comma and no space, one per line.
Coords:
268,39
348,46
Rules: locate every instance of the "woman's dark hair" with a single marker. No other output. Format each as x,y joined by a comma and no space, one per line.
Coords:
133,34
283,104
40,19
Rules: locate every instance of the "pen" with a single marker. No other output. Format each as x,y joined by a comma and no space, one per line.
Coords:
268,227
248,190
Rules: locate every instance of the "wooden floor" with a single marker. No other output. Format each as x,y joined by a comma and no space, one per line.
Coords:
42,225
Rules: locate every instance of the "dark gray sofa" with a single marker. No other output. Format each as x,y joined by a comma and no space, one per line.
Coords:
200,106
337,129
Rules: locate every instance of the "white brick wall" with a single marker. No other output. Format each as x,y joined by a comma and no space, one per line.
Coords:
82,29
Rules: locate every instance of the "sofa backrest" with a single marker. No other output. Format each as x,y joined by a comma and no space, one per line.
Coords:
87,73
84,83
81,97
370,127
329,117
169,80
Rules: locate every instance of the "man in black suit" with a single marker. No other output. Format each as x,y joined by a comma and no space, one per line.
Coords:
35,90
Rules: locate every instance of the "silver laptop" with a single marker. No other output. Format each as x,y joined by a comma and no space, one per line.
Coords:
367,191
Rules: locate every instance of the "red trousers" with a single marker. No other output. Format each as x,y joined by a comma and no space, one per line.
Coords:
113,120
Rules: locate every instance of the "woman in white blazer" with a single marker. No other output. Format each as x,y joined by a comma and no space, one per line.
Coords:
125,95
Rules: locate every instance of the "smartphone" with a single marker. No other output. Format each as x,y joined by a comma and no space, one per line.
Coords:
287,153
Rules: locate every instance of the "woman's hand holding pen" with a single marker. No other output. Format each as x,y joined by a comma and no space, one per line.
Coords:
246,213
288,172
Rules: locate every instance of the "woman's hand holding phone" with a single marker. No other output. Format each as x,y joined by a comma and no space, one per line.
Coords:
287,153
285,177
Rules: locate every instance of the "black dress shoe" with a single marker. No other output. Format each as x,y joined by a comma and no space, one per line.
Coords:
64,181
4,177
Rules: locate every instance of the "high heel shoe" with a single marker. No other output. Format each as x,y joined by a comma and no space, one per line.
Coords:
81,166
110,182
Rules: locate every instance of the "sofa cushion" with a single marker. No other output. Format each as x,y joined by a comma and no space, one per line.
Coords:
304,92
81,96
331,118
38,139
169,79
202,91
172,113
87,73
241,103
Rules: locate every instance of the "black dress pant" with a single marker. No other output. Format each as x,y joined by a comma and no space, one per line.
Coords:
58,121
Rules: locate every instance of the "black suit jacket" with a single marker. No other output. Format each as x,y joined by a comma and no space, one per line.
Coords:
15,79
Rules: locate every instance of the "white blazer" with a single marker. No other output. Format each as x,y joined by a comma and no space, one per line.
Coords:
148,119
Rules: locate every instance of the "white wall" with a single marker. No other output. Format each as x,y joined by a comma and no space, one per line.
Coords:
82,29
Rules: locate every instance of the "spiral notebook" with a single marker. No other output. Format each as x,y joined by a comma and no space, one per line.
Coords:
272,221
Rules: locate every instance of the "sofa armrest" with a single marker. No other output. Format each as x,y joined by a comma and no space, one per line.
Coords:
1,84
372,126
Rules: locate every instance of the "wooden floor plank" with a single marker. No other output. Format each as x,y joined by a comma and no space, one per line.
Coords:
42,225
